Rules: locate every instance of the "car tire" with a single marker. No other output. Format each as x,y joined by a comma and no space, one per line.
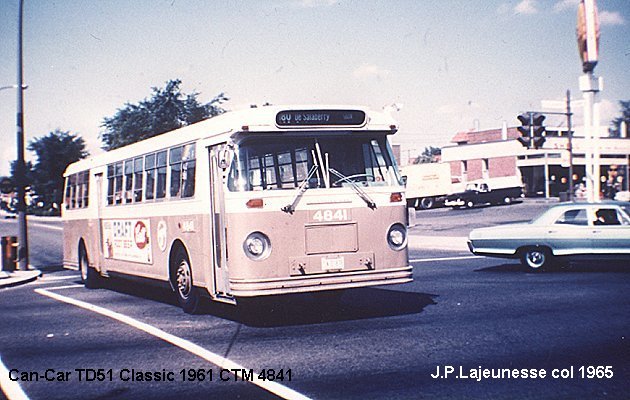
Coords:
427,203
470,204
187,293
534,259
507,200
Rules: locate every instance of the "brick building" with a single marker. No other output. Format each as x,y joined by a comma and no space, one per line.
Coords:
545,172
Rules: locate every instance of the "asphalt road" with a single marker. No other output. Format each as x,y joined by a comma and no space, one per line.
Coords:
460,314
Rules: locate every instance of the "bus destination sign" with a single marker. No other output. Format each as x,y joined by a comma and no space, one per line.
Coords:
320,118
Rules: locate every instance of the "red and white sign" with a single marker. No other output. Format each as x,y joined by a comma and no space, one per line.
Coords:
127,240
588,34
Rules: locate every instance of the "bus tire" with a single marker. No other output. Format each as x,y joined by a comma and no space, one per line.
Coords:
187,294
89,276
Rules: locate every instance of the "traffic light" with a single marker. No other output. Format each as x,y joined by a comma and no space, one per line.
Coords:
532,130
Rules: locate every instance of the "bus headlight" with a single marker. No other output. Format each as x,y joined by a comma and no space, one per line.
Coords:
397,236
257,246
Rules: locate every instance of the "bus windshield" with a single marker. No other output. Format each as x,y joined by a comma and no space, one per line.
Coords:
264,163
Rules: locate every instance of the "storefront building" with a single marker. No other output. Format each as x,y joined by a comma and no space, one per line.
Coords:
545,171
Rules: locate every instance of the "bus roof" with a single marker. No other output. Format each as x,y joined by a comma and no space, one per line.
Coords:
231,124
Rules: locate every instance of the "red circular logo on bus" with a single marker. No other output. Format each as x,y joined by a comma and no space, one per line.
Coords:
141,235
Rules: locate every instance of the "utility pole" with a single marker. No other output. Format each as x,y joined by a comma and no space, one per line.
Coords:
20,170
570,146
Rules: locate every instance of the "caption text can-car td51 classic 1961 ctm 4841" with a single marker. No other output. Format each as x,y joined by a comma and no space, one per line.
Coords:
564,232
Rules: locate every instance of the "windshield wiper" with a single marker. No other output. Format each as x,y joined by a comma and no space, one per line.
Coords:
303,187
370,203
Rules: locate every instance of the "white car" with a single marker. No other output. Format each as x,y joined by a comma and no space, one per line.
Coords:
567,231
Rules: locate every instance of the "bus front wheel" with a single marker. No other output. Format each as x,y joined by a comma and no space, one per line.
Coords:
187,294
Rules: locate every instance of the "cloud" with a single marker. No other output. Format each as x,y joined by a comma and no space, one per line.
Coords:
526,7
611,18
564,5
367,71
314,3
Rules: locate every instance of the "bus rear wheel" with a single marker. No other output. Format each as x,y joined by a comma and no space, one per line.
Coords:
89,276
187,294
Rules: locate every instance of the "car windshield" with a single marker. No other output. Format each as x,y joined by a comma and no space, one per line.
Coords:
265,163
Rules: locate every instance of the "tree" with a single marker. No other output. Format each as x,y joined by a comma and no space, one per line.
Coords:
615,125
54,153
167,109
429,155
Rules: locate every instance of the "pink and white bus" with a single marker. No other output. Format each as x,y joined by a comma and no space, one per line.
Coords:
265,201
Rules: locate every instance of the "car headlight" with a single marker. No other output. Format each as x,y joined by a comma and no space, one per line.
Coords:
257,246
397,236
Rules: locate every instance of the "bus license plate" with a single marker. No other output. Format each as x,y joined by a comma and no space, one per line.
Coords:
332,263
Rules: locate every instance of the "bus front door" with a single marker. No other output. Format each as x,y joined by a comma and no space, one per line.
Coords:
220,273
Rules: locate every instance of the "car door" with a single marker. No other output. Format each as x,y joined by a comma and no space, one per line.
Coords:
610,231
571,232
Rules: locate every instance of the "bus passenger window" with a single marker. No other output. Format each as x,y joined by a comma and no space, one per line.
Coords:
73,191
84,179
149,165
161,175
175,159
110,184
189,179
188,167
137,180
118,182
128,181
68,191
78,192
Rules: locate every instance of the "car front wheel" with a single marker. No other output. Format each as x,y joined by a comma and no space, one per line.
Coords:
535,258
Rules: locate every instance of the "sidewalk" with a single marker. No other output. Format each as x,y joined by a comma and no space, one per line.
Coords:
14,278
455,243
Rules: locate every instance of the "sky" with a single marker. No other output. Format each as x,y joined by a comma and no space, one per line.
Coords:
449,65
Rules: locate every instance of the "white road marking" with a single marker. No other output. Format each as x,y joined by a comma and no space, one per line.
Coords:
420,260
11,389
46,279
222,362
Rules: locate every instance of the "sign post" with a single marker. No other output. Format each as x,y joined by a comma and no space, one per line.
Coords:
588,46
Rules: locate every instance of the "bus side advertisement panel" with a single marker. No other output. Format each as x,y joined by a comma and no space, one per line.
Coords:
127,240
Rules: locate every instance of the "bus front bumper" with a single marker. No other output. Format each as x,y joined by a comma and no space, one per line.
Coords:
320,282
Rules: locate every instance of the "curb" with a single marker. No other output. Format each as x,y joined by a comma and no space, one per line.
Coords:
16,278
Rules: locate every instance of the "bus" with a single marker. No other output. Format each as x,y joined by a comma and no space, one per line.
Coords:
263,201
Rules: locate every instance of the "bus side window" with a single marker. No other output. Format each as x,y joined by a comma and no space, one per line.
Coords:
161,175
189,179
137,185
188,168
118,183
68,190
149,166
110,184
175,160
128,181
86,186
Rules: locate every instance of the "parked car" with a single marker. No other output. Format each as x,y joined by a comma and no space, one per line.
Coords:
564,232
480,193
